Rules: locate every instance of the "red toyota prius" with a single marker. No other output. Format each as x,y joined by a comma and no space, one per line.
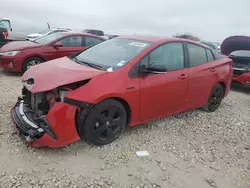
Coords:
18,56
125,81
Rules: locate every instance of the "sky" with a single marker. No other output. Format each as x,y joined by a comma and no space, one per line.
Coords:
211,20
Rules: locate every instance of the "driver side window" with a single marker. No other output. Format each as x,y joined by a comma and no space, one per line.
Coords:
171,55
72,41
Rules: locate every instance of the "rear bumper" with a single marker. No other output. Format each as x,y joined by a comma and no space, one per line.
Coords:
37,130
244,79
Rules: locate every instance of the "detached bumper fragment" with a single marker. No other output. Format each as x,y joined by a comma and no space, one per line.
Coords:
29,124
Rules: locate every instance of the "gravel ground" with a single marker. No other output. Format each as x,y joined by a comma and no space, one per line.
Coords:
189,150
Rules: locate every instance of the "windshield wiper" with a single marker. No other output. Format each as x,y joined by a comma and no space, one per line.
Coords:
89,64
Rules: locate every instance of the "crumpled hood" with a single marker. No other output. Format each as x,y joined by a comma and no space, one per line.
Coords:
58,72
19,45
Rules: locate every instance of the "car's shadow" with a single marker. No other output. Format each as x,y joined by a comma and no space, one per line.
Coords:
12,74
239,88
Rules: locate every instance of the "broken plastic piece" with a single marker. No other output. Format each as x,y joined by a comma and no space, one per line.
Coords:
142,153
110,69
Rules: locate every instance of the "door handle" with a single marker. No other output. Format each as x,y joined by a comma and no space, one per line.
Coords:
213,70
183,76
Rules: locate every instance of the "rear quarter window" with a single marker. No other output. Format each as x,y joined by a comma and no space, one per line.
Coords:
197,55
217,55
210,56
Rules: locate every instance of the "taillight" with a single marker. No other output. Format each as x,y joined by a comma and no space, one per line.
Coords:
5,35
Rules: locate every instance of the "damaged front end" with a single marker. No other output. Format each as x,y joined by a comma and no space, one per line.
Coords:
46,115
29,114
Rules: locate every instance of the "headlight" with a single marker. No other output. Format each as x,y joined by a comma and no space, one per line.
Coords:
10,53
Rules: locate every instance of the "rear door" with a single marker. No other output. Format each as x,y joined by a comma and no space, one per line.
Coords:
203,74
163,94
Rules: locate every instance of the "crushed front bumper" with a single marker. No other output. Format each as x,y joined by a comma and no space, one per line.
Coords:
56,129
29,124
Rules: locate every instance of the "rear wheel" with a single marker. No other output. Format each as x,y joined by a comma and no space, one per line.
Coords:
104,123
215,99
31,62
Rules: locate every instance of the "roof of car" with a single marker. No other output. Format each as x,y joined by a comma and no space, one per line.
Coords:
145,38
80,33
155,39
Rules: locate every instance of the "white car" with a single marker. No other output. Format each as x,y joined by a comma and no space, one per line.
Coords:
34,36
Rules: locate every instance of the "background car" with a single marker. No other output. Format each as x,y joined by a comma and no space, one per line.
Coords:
124,81
21,55
18,28
34,36
241,67
213,45
94,32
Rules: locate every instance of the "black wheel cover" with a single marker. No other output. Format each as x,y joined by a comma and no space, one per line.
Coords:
215,98
104,123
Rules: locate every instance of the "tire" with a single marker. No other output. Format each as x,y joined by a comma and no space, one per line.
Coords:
36,60
214,99
104,123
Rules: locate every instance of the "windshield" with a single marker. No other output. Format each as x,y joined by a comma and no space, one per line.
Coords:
114,53
45,31
48,38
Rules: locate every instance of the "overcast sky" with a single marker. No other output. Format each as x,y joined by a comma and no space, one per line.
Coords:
211,20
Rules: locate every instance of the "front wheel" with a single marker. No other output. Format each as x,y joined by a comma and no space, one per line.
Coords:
215,98
31,62
104,123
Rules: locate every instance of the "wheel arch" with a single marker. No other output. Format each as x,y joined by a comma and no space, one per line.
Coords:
29,57
222,83
32,56
126,106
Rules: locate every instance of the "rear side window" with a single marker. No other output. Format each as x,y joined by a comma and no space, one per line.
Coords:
72,41
91,41
197,55
210,56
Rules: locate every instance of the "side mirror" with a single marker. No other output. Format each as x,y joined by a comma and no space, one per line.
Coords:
57,45
154,68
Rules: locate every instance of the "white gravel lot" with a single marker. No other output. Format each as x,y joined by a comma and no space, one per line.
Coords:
190,150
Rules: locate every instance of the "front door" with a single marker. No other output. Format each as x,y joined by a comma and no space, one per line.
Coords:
71,45
164,93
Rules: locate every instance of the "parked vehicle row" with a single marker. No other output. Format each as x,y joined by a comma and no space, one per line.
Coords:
124,81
